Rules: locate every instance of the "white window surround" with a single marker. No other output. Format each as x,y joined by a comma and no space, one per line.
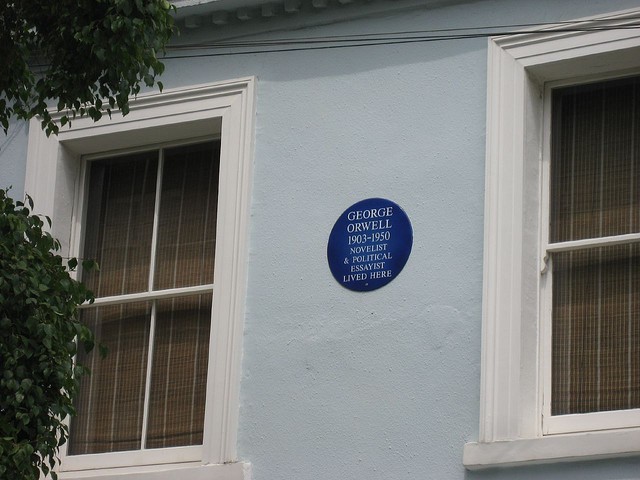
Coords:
511,399
53,179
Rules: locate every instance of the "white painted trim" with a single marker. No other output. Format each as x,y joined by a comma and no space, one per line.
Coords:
519,66
610,420
230,278
593,242
229,471
53,180
152,295
132,458
552,449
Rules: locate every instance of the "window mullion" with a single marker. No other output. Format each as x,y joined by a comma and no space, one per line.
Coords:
156,217
147,387
152,328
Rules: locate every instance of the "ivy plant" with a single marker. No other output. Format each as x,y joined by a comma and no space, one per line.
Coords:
39,336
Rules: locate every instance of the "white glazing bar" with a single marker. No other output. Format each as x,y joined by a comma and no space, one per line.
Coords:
147,385
155,295
593,242
156,216
152,328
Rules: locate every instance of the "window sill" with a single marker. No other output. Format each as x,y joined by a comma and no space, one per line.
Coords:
552,449
227,471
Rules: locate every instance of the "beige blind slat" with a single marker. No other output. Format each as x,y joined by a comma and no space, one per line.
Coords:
119,234
119,223
595,180
186,237
178,383
110,401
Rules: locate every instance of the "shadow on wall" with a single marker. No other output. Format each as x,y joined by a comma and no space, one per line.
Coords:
329,61
414,18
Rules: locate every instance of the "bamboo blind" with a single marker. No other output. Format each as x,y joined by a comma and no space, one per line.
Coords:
595,181
119,235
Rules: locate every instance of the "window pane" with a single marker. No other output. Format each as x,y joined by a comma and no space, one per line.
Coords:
595,151
119,223
179,373
596,330
187,222
111,400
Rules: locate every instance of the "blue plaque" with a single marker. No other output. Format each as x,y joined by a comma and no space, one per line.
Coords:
369,244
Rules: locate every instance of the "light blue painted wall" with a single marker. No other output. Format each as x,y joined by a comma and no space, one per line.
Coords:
379,385
13,154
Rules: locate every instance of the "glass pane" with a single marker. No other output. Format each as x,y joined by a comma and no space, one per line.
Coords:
596,330
179,372
111,400
595,172
119,223
187,221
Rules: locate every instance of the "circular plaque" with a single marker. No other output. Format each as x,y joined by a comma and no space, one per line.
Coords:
369,244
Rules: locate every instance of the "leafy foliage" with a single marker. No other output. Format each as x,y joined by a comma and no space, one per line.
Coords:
89,56
38,326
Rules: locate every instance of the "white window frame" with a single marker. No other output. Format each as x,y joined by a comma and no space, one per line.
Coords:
54,179
513,326
555,424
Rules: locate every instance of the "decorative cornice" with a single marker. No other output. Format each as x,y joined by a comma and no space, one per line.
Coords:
194,14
